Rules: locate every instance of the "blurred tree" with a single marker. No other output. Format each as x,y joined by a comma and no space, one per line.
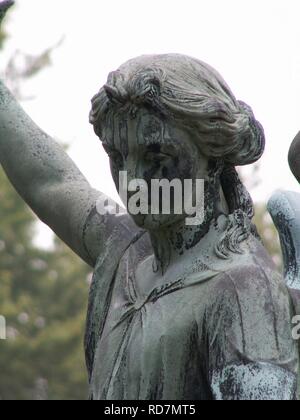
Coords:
2,36
268,234
23,66
43,298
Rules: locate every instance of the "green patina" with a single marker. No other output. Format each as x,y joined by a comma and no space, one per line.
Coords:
175,311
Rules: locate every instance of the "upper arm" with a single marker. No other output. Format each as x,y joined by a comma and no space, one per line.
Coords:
53,186
99,231
251,352
73,215
253,381
65,208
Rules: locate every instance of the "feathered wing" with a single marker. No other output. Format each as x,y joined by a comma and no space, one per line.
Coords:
284,207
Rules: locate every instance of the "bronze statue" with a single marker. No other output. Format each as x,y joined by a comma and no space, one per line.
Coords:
176,312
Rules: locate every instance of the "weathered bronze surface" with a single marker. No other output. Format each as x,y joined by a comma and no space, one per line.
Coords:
175,311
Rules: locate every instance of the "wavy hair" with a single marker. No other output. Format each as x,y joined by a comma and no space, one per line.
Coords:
196,96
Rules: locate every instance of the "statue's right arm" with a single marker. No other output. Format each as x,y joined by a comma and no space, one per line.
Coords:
52,185
49,181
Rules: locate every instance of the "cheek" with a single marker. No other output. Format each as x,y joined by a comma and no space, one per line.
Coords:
181,167
192,165
151,171
186,167
172,169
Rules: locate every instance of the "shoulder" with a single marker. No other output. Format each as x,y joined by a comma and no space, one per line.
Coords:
252,277
255,290
249,314
118,238
107,233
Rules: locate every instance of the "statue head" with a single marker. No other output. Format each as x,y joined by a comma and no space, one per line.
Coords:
172,116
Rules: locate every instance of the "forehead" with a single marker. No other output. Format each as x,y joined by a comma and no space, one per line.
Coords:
149,128
143,128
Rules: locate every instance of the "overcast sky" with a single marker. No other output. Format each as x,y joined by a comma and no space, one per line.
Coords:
254,44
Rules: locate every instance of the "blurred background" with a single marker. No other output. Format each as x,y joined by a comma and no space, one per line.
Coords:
55,55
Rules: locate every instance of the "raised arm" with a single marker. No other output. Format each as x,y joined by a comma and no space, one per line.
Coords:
43,174
48,180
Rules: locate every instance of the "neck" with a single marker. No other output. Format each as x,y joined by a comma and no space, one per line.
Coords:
172,242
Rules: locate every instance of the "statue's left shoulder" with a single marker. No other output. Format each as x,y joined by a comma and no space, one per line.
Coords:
249,323
248,318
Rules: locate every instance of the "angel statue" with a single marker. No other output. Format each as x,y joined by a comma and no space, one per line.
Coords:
177,311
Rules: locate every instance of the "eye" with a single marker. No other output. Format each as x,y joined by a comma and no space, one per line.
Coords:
152,130
156,157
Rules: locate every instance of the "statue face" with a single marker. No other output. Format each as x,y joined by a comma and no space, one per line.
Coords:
147,147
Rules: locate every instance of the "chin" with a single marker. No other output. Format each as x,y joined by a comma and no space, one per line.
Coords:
156,222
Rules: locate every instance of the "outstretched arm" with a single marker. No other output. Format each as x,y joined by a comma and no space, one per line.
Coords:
47,178
43,174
